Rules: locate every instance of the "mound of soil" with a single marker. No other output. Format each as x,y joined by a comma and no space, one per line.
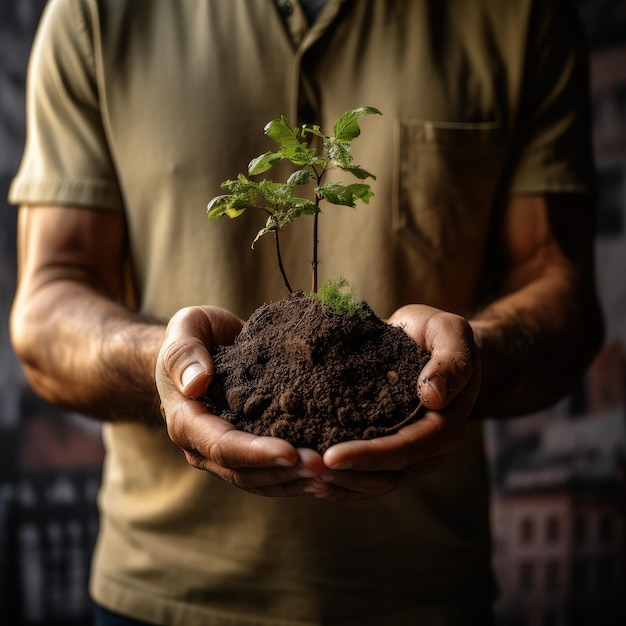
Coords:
315,378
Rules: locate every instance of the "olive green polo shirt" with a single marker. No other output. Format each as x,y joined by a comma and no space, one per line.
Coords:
143,107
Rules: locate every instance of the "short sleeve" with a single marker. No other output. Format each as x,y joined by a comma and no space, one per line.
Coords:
66,159
555,134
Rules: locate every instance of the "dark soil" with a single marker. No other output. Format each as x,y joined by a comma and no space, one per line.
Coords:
315,378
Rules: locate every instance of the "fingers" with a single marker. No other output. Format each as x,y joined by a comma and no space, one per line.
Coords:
191,333
262,465
450,341
434,434
267,466
351,486
194,429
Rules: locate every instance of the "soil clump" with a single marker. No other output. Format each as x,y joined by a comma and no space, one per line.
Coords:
315,378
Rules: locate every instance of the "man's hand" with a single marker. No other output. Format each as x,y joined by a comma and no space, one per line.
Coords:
448,387
263,465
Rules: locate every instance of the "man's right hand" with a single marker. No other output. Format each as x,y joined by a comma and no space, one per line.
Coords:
263,465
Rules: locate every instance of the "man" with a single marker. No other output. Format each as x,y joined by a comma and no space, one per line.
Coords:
478,242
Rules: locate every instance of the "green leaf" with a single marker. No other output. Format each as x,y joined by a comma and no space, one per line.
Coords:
263,162
359,172
243,194
280,131
300,177
270,227
346,128
360,191
346,195
229,205
291,147
240,185
275,194
216,207
300,206
339,154
301,155
311,129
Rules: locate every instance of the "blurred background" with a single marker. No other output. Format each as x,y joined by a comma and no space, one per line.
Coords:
559,484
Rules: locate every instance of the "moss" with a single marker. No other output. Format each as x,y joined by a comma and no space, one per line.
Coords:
339,296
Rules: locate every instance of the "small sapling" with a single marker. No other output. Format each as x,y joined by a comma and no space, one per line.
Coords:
278,199
311,379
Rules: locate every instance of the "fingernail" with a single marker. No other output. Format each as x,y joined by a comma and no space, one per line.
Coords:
438,384
282,462
191,373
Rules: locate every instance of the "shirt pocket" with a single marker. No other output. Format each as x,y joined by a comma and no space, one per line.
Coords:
445,178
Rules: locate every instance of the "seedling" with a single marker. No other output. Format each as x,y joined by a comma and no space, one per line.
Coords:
277,395
277,199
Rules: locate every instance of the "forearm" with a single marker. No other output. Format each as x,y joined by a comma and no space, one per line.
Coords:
85,352
535,345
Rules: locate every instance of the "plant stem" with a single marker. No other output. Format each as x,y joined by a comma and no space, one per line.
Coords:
315,262
279,260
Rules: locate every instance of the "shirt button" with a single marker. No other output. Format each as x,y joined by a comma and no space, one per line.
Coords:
286,8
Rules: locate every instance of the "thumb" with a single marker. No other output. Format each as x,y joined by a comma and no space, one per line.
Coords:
191,333
453,364
187,364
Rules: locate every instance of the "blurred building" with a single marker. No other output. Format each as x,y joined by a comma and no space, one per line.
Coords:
560,522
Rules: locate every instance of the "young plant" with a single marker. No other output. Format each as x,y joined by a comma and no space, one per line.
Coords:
277,199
